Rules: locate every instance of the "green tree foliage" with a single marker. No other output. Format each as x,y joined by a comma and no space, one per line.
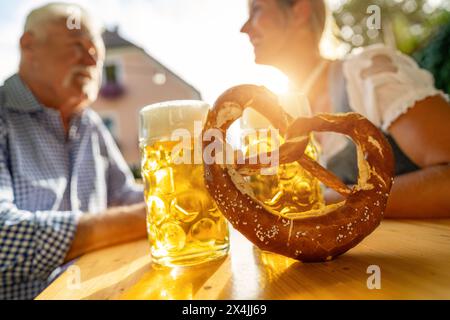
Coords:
435,57
405,24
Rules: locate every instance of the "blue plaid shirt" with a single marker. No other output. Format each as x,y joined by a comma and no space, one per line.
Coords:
46,182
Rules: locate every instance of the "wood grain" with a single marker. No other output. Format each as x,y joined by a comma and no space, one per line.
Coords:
414,258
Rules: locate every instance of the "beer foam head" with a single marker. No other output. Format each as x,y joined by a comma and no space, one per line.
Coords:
159,121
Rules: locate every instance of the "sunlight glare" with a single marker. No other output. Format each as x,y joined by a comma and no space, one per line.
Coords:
276,81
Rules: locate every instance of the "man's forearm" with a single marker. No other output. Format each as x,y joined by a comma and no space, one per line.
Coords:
115,226
421,194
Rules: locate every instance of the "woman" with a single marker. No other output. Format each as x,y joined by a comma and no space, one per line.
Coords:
382,84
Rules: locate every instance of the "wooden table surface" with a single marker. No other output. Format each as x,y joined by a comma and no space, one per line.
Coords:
413,256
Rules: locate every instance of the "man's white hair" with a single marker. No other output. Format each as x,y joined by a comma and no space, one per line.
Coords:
38,19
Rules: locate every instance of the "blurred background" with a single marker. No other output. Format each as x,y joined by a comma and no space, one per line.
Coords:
161,50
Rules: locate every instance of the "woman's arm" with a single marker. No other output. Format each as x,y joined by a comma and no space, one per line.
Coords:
423,134
418,195
421,194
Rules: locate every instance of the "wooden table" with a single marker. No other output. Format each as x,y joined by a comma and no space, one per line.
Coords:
413,256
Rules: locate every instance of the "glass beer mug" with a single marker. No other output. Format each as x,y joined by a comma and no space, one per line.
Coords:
184,225
290,189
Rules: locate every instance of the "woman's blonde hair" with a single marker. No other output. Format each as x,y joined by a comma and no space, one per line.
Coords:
323,25
318,14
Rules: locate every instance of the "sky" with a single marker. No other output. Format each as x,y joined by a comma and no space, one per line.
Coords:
197,39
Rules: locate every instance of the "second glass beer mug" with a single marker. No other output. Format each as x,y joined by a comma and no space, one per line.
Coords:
292,189
184,225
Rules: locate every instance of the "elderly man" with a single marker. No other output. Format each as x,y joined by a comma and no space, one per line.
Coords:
60,169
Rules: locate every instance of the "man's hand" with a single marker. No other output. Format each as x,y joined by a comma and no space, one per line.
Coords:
115,226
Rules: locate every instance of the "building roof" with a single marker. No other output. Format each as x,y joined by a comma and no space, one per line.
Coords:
113,40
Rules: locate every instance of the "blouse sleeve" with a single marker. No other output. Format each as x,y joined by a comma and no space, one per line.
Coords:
382,84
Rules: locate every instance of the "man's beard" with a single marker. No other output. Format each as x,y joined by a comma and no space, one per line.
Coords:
88,78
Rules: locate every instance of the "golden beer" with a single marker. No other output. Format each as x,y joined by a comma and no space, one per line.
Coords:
184,225
290,189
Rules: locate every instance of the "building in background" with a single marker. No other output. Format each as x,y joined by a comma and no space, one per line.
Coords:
133,79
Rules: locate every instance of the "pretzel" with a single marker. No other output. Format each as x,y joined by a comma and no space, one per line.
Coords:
316,235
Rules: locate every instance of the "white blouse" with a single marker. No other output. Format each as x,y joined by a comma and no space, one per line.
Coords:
382,84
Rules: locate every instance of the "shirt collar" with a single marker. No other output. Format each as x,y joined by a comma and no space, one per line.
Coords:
19,97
